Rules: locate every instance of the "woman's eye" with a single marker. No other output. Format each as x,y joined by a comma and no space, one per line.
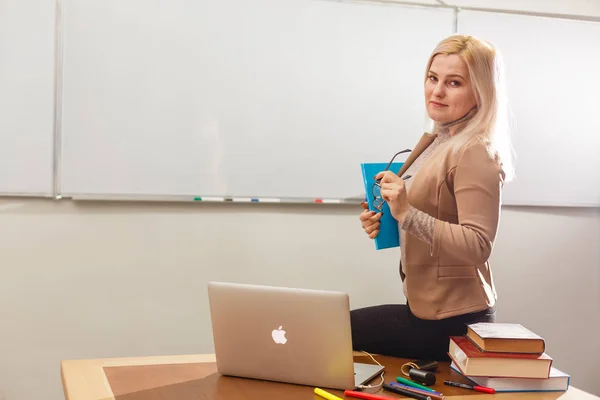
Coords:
432,78
455,83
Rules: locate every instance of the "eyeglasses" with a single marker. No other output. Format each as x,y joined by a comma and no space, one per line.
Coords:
376,188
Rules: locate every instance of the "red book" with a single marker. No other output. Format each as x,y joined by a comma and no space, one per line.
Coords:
474,362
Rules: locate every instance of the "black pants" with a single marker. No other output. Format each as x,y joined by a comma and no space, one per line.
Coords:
393,330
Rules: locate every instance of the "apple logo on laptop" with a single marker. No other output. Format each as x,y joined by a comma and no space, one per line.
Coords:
279,335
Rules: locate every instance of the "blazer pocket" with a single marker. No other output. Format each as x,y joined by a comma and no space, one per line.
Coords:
457,271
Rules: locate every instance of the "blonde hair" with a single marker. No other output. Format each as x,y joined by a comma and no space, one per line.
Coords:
491,124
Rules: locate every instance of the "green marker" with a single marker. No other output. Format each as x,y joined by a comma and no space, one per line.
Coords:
408,382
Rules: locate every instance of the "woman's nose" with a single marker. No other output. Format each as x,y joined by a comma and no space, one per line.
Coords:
438,91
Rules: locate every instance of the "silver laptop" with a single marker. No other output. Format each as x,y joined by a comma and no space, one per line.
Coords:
289,335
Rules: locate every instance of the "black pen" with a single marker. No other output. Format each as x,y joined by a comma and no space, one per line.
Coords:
405,392
407,177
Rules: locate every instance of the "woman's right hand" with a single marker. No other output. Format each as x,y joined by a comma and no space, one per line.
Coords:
370,221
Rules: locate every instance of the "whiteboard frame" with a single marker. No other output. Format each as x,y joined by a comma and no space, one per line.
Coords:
58,85
214,199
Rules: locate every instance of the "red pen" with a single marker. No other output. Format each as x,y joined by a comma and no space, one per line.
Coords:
366,396
481,389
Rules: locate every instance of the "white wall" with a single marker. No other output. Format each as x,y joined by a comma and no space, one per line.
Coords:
128,279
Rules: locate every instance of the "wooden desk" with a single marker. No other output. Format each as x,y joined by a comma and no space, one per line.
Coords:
194,377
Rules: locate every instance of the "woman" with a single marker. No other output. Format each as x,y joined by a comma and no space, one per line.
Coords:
448,211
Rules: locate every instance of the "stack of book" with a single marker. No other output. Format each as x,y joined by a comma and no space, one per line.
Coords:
507,358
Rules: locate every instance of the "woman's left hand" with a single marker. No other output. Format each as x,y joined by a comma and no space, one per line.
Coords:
393,192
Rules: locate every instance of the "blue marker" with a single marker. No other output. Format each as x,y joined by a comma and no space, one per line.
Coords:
428,390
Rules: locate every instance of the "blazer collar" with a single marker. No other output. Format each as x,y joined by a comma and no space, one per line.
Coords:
423,143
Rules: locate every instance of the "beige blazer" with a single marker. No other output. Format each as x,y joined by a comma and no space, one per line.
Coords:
462,190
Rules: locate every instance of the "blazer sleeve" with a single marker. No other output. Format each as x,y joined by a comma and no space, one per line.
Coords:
478,182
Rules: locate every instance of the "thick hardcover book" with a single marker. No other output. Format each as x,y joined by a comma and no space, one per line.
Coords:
505,338
473,362
558,381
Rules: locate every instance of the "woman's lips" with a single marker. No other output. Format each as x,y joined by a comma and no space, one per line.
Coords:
436,104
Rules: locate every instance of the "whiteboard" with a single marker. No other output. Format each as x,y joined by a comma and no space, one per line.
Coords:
554,88
27,76
262,98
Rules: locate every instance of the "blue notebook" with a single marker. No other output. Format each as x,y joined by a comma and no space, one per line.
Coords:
388,235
